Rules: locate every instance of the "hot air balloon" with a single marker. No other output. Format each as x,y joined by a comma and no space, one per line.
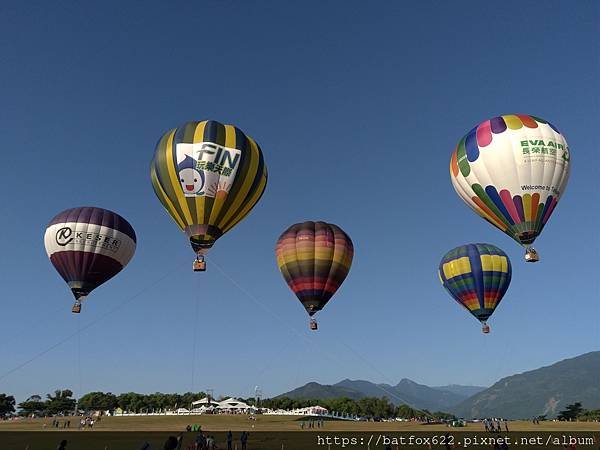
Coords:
88,246
208,176
512,170
314,259
477,277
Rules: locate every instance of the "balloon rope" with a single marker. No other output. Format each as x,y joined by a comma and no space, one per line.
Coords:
91,324
291,327
79,354
195,325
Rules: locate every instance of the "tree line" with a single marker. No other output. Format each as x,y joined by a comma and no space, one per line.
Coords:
575,411
363,407
61,402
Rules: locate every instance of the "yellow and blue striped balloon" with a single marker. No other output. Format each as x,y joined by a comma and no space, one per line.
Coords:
477,277
208,176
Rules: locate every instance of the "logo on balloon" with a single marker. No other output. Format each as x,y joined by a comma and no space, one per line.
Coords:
63,236
205,169
191,179
67,235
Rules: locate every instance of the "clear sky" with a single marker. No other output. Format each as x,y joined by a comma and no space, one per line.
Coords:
357,108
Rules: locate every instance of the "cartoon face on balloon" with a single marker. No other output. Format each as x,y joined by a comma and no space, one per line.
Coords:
191,179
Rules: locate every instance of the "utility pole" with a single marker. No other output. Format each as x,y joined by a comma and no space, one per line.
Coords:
257,396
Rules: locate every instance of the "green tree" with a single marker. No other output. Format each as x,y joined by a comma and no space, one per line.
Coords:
406,412
591,415
61,402
571,412
7,405
185,400
32,406
98,401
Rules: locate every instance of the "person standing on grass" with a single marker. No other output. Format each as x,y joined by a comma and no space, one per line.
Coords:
210,443
200,441
229,439
170,443
244,439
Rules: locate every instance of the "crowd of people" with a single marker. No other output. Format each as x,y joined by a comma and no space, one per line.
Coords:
312,423
58,424
84,423
202,441
494,425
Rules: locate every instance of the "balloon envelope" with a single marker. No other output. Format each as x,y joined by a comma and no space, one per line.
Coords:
477,277
88,246
314,259
208,176
512,170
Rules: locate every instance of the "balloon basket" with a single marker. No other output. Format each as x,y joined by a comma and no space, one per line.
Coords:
313,324
76,308
199,265
531,255
485,329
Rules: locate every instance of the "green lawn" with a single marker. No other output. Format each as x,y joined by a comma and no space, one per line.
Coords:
268,423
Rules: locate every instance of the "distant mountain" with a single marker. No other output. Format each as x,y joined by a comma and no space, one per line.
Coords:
544,391
459,389
405,392
425,397
322,391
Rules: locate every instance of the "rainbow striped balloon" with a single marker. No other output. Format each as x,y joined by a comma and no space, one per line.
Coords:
512,170
314,259
477,277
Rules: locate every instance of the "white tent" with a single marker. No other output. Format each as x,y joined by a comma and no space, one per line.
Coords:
205,402
202,410
233,403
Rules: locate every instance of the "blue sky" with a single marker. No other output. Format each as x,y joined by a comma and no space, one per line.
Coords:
357,108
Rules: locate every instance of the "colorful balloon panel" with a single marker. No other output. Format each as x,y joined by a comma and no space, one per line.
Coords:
314,259
208,176
88,246
512,170
477,277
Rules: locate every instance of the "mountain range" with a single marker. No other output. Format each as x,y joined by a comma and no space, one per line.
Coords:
544,391
405,392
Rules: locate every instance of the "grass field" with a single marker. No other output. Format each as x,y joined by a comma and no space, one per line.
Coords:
266,433
270,423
